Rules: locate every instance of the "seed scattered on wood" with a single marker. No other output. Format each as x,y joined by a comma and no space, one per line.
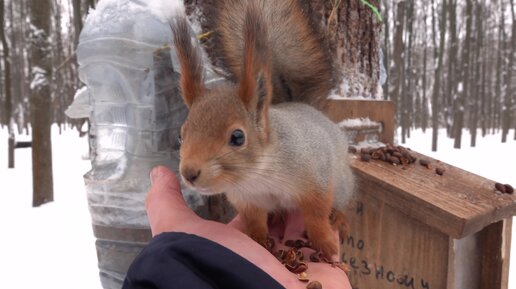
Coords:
500,187
365,157
314,285
508,189
424,163
439,171
394,160
394,155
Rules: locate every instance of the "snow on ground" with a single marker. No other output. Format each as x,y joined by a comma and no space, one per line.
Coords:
53,246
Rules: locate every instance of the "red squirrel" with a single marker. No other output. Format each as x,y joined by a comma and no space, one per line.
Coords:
265,157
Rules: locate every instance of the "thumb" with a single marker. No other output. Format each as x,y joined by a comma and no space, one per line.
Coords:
166,208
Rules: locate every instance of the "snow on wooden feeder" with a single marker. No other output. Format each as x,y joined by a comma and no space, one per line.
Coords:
414,227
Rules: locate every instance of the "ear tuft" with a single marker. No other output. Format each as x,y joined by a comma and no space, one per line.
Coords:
255,85
192,82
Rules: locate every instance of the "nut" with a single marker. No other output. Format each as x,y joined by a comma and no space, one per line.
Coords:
269,244
296,267
290,243
299,244
439,171
365,157
424,163
303,277
281,255
365,150
501,188
352,149
316,257
314,285
394,160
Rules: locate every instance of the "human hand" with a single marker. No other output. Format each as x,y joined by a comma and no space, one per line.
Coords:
168,212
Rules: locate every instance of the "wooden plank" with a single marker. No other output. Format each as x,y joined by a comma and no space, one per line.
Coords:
377,110
495,246
390,250
458,203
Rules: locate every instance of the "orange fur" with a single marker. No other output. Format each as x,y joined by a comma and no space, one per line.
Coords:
256,222
192,82
253,50
316,208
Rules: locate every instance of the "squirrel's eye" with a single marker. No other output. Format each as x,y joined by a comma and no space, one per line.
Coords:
237,138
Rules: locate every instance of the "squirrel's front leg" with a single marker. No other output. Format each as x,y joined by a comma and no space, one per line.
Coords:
255,220
316,208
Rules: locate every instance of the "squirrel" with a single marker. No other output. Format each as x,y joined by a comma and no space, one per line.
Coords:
257,136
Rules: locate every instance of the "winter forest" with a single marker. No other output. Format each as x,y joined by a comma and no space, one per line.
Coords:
450,64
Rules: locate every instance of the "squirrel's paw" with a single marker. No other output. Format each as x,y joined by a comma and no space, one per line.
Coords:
326,244
339,223
259,234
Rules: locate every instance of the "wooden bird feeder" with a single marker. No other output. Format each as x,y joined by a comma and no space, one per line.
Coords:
413,228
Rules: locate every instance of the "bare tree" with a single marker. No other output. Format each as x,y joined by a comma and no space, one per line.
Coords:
464,94
41,59
7,88
452,63
437,78
475,88
396,76
509,93
77,20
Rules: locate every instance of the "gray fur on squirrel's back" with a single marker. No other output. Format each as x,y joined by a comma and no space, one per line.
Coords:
312,142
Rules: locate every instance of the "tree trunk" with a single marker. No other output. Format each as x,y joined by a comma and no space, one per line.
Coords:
437,78
40,103
386,48
452,66
7,88
424,102
499,68
464,94
397,55
354,39
476,83
509,93
77,21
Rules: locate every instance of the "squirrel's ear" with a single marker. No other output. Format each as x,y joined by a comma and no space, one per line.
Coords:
192,82
255,84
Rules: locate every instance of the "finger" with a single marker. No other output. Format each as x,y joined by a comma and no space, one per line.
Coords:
166,208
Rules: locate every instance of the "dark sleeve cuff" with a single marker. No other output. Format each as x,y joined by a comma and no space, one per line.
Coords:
179,260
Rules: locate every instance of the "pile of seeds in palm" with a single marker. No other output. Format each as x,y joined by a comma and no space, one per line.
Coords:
294,260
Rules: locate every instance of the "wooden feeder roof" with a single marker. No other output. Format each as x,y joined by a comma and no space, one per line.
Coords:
458,203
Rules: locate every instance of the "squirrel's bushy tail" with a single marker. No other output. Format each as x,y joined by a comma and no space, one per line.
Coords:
301,63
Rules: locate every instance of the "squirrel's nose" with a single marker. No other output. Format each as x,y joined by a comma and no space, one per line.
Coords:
191,175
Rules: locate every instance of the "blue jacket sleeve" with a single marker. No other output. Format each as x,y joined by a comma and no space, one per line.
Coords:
183,261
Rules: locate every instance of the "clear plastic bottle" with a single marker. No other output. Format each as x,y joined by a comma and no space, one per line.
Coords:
136,111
